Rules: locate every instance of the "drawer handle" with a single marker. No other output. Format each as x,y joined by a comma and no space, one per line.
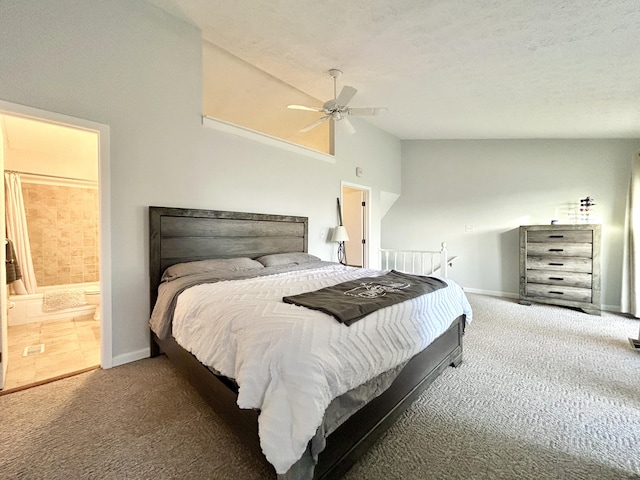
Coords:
556,236
556,249
557,293
556,278
556,264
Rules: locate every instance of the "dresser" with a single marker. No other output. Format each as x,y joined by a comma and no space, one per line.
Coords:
560,265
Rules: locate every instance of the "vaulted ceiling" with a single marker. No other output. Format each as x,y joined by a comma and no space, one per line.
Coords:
448,69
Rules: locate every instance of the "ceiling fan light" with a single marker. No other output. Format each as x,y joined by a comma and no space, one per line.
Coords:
337,108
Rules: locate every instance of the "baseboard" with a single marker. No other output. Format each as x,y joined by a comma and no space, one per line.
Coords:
612,308
131,357
491,293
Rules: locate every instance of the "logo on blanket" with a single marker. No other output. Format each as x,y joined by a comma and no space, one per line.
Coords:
376,289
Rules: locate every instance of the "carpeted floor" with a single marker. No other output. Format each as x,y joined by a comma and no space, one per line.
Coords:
543,393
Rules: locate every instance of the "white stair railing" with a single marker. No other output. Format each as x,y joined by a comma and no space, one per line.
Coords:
419,262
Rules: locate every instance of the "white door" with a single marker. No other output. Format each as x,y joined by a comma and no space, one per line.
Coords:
4,341
354,208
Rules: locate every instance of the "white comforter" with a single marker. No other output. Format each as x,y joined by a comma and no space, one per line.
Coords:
289,361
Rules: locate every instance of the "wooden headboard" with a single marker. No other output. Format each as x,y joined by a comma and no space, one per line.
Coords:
183,235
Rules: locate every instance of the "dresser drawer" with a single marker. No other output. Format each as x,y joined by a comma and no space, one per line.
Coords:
560,236
567,279
558,291
564,264
561,249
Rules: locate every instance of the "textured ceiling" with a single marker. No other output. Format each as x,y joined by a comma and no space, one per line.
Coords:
448,69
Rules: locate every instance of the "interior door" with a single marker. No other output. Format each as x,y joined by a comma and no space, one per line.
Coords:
354,219
4,341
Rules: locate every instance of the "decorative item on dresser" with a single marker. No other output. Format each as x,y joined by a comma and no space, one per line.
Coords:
560,265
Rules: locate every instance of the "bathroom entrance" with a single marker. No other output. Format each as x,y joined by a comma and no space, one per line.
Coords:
51,295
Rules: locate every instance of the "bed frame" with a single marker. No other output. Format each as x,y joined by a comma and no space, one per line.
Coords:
181,235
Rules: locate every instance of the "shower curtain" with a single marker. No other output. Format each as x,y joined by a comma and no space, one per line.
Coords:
16,220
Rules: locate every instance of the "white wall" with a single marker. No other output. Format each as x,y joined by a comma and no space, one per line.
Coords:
134,68
49,149
496,185
234,91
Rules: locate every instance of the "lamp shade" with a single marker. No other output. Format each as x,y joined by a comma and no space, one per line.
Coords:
340,234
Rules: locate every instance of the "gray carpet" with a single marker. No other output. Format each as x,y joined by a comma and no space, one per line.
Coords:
543,393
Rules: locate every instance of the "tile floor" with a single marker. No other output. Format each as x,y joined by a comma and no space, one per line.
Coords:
69,345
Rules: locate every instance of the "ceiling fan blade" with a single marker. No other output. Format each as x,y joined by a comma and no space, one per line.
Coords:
365,111
315,124
346,94
348,126
302,107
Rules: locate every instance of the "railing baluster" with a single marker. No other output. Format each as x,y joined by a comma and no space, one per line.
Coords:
417,263
444,260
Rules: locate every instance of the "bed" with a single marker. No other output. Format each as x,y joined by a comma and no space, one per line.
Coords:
178,236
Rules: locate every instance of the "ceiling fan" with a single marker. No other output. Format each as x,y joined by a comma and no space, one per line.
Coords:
337,109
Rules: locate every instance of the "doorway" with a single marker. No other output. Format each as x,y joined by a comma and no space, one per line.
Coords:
355,208
60,327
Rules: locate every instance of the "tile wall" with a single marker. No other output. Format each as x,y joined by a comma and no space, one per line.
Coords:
63,231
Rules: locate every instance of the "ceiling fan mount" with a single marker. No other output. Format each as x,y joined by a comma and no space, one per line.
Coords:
337,108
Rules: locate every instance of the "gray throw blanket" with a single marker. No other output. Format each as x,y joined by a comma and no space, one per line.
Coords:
350,301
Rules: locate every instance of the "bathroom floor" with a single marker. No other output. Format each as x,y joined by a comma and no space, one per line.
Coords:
53,349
